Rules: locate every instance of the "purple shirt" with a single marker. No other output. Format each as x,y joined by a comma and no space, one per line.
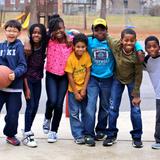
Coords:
35,65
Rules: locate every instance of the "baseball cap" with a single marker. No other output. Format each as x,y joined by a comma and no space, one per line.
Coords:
99,21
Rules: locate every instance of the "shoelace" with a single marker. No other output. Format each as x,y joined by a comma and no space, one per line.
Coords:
29,138
52,136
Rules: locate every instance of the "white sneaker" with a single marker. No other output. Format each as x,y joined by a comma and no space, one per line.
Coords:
46,125
28,139
156,146
52,137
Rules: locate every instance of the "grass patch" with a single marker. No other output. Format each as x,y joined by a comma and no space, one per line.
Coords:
140,22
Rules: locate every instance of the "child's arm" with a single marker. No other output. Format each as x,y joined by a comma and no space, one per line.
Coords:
73,85
83,90
139,51
21,66
113,43
145,62
26,89
138,80
27,47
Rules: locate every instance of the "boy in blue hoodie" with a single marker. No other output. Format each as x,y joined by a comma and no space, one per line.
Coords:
12,56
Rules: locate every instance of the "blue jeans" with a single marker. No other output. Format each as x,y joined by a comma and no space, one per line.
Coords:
97,87
76,112
32,103
13,105
56,87
116,95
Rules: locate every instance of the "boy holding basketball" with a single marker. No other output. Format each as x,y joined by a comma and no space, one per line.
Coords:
12,56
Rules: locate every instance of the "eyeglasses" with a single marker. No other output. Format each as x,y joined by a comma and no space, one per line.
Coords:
11,31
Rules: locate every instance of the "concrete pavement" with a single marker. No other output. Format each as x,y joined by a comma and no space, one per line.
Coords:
66,149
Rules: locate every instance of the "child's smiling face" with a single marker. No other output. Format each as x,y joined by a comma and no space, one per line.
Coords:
59,33
12,33
100,32
80,48
152,48
36,35
128,41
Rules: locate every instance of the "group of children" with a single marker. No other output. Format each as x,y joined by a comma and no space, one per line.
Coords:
88,67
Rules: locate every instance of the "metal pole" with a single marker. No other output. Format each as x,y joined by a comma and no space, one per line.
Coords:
46,13
85,17
126,12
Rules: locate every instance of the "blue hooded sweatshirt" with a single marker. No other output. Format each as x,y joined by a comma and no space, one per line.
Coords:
12,56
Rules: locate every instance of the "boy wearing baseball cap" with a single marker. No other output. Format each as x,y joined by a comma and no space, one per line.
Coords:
100,81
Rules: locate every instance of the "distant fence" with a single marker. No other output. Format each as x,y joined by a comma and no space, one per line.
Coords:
79,9
81,15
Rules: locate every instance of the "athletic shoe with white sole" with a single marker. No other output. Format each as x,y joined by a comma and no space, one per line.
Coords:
52,137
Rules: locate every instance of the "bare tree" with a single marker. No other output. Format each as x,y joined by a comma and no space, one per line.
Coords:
103,9
34,12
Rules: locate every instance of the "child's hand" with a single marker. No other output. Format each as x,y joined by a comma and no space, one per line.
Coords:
83,93
11,76
136,101
68,42
27,94
78,96
140,56
27,47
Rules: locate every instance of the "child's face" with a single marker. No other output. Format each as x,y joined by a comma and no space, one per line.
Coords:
79,49
100,32
11,34
60,32
36,35
152,48
128,42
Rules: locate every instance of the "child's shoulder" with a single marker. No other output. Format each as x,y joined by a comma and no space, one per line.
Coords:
19,41
146,59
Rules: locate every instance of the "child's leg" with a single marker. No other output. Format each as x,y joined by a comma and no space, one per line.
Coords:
32,104
104,96
77,126
116,95
92,95
61,87
13,106
157,127
51,91
3,97
135,116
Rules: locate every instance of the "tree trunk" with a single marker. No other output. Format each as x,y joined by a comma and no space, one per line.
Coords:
34,12
103,9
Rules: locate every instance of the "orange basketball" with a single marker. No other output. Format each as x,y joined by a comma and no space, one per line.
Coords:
4,73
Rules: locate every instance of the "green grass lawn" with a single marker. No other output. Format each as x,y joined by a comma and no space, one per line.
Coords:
77,21
140,22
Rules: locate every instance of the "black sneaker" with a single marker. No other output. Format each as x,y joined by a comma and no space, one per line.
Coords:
100,136
79,141
109,141
137,143
90,141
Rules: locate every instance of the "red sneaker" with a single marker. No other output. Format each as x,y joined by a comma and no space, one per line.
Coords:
13,140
